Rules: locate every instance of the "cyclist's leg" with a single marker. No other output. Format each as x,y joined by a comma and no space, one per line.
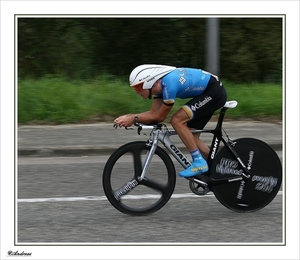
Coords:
199,165
199,110
178,121
204,149
199,123
183,125
195,114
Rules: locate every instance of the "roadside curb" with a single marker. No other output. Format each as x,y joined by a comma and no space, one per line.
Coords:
87,151
64,152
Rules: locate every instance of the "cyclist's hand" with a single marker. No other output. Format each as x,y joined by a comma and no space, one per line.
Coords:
125,120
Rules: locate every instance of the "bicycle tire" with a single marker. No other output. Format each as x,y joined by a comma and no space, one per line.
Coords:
260,189
155,190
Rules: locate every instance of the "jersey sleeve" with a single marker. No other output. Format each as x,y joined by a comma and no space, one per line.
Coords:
169,90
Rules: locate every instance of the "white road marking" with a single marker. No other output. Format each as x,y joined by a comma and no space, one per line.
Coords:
101,198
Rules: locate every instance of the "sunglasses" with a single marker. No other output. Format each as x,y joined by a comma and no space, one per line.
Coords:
138,86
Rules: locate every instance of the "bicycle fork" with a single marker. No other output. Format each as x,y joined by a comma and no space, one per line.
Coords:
153,144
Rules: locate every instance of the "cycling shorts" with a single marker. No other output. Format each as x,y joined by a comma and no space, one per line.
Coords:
200,109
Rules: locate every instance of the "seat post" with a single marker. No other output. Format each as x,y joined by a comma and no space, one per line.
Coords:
221,117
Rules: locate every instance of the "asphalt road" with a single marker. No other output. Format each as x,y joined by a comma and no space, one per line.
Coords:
61,200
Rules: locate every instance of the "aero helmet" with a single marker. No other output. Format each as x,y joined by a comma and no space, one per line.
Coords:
148,74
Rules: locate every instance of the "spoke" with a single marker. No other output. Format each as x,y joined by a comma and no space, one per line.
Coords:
137,163
154,185
125,189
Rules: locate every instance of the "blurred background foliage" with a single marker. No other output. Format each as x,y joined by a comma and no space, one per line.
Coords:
84,48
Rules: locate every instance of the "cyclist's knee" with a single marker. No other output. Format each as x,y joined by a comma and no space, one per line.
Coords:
179,118
174,120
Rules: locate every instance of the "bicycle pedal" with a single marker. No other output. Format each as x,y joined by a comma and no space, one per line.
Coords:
202,177
198,187
199,182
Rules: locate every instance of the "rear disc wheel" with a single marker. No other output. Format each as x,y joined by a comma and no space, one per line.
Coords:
265,179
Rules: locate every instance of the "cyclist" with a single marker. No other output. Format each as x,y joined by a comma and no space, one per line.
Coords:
165,83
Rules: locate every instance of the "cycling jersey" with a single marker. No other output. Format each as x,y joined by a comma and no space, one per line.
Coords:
183,83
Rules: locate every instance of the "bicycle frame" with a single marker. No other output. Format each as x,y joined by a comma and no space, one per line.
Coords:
239,190
163,136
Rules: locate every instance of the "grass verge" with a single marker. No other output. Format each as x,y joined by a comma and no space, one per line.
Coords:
59,101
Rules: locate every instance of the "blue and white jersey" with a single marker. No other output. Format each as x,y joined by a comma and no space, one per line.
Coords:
183,83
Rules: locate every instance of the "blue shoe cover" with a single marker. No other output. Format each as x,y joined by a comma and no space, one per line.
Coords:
197,167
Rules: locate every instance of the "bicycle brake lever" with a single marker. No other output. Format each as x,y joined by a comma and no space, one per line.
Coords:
115,126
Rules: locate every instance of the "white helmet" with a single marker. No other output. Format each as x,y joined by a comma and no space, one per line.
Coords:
149,74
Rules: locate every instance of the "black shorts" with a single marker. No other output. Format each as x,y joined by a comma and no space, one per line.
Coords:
201,108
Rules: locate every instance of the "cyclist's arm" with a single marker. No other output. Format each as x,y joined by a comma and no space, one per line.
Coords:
157,113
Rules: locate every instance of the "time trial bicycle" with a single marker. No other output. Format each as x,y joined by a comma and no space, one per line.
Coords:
244,174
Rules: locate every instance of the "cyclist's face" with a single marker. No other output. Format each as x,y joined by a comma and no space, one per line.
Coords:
144,93
140,91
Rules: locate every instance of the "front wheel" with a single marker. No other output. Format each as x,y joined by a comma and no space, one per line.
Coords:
265,179
126,191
